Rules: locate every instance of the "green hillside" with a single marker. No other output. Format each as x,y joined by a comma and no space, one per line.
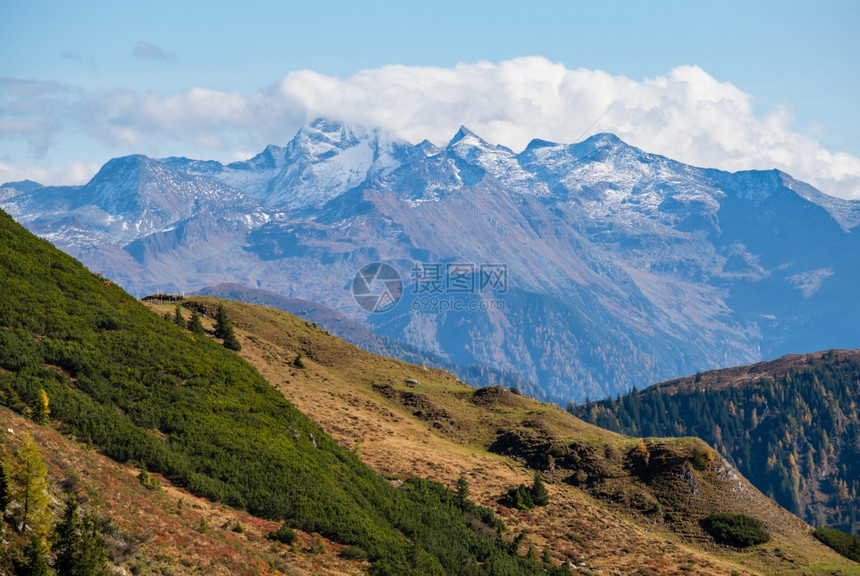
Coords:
140,389
790,426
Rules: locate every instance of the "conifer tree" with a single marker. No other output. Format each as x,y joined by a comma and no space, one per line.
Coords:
224,330
41,411
80,546
6,566
520,498
546,557
462,491
177,317
94,558
195,325
232,343
539,493
35,558
29,494
68,538
222,323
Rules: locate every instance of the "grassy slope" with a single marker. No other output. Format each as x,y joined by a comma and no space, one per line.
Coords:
362,336
142,390
440,428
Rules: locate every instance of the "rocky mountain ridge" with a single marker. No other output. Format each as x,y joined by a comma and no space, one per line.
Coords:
622,267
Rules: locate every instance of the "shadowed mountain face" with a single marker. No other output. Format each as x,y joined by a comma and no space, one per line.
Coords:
790,425
621,267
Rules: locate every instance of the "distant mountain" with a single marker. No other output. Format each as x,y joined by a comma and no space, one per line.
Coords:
14,188
620,267
792,426
136,208
322,162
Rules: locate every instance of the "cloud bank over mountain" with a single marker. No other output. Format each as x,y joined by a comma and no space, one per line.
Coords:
686,114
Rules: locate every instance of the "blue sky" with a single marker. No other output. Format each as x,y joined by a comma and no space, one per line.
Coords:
82,83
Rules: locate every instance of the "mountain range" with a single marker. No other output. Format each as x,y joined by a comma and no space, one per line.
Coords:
620,267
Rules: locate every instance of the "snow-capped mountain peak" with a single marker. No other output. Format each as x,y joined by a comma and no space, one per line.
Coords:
323,138
469,139
475,157
623,267
326,159
271,158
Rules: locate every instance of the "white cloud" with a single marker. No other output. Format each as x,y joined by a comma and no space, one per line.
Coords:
49,174
685,114
150,121
147,51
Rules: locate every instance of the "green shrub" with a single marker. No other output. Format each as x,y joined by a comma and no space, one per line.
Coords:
178,319
195,325
525,497
738,530
149,481
846,544
579,478
353,553
224,330
700,460
539,493
317,545
203,527
284,534
520,498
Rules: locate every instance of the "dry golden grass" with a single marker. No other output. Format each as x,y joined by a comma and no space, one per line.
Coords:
408,420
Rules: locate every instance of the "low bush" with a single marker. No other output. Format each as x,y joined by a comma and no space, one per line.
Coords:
353,553
520,498
524,497
738,530
149,481
284,535
846,544
701,459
